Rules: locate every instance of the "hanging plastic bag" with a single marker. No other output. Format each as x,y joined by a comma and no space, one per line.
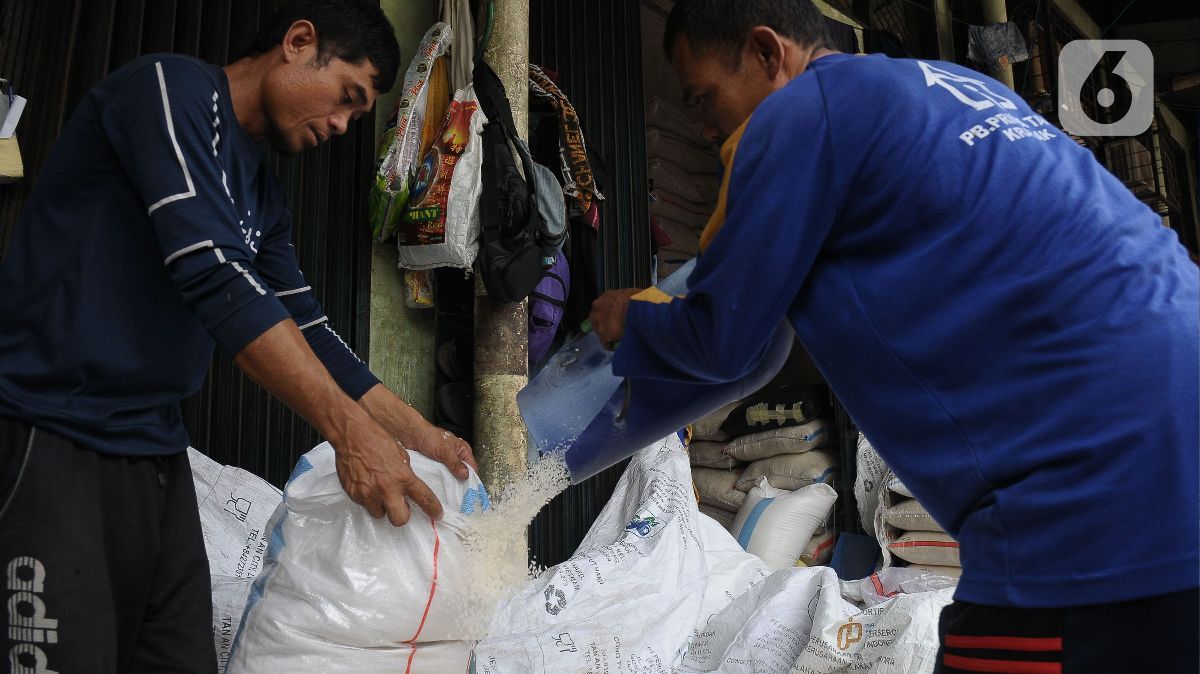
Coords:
400,151
440,225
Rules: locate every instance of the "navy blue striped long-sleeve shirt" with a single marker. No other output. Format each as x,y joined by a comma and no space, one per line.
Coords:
154,229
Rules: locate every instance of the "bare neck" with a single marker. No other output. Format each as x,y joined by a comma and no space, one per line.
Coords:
802,58
246,77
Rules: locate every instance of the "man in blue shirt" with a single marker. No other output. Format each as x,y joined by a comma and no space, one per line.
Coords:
155,230
1012,329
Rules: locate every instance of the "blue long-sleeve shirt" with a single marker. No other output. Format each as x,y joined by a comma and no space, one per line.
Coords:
155,228
1012,329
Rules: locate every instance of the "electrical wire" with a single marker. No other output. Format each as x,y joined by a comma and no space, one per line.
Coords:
1119,15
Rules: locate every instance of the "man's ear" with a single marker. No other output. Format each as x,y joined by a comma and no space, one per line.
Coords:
767,50
300,39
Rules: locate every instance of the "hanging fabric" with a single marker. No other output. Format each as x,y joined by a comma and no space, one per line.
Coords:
579,182
996,45
457,14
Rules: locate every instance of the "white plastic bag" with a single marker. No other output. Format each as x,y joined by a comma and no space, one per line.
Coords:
399,154
440,224
345,592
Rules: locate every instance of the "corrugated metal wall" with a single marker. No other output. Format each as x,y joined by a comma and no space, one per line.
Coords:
55,50
596,49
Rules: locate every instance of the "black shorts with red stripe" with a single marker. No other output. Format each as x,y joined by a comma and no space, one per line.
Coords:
1143,636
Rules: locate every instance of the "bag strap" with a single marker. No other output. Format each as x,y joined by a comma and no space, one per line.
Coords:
490,91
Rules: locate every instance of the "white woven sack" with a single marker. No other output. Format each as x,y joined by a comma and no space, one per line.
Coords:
948,571
717,488
677,150
791,471
788,440
684,239
343,591
709,427
924,547
910,515
870,476
692,217
723,517
776,525
819,551
662,115
706,454
670,178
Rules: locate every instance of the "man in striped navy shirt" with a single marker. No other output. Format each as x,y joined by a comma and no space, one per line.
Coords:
156,229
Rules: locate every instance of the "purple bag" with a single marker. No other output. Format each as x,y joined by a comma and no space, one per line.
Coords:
546,305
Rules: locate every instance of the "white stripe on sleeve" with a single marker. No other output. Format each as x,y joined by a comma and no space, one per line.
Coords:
187,249
316,322
238,267
187,176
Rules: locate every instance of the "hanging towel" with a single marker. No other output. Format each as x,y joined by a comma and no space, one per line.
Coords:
579,183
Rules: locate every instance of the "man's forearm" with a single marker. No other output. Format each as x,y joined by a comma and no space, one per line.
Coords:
282,362
395,415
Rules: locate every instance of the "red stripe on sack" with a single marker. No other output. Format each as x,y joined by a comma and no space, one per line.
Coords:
923,544
437,545
822,547
1001,666
412,653
879,589
1027,644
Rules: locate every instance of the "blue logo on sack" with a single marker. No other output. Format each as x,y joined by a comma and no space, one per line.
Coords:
475,498
643,524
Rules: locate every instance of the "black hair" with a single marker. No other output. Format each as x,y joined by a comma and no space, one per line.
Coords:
713,23
351,30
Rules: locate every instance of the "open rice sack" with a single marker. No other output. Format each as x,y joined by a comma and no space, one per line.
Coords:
642,584
343,591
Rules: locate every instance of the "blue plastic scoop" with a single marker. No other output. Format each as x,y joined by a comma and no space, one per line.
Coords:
576,404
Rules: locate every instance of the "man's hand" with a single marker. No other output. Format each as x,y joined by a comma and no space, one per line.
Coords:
608,315
374,470
372,467
410,428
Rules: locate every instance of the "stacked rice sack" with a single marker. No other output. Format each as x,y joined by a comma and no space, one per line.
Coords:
715,473
765,468
684,171
907,534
